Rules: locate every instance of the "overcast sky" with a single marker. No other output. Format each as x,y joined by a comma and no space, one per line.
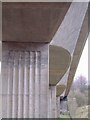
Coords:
83,63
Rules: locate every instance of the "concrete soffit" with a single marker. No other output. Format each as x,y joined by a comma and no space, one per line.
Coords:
23,21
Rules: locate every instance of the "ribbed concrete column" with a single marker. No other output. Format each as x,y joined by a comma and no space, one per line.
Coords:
53,101
25,76
26,86
58,106
15,86
44,84
49,104
32,85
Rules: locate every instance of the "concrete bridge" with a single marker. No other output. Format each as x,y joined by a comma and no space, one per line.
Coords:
41,46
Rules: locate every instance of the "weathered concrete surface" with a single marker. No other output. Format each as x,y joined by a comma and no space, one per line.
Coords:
36,0
0,30
0,21
53,111
60,89
58,106
59,62
69,32
23,22
77,52
54,100
25,94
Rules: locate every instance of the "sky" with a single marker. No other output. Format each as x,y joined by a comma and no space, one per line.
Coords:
82,68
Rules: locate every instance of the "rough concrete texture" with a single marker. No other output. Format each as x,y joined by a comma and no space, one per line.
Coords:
26,84
25,80
58,65
72,35
58,106
26,20
60,89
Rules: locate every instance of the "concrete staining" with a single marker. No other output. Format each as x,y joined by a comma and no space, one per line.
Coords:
24,74
32,62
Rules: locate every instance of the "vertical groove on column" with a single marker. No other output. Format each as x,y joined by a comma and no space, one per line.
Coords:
37,84
10,84
20,85
26,87
15,86
32,85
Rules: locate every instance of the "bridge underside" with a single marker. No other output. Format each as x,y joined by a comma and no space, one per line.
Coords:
39,45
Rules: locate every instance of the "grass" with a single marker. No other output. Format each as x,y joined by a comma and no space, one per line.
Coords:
81,112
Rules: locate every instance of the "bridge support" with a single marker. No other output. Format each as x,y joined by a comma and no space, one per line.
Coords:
25,80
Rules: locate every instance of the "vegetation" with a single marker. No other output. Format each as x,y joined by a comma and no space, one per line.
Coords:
78,99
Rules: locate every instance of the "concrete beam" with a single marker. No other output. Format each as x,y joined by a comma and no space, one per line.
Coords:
59,62
25,81
23,22
52,103
70,32
36,0
77,52
60,89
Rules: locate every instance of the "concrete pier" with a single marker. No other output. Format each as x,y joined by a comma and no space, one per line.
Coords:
53,101
26,72
39,45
